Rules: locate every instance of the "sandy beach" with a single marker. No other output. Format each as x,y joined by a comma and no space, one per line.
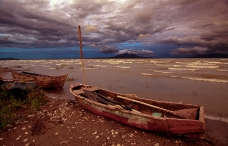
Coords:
64,122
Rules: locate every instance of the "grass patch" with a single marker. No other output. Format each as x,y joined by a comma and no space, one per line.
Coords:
59,67
63,64
16,66
71,67
70,79
16,103
91,66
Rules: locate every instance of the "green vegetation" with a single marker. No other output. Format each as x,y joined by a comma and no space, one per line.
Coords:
16,66
70,79
71,67
16,103
63,64
60,66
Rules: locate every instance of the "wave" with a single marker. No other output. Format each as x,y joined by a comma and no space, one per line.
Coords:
122,66
197,66
146,74
165,72
223,119
99,65
202,79
184,69
222,70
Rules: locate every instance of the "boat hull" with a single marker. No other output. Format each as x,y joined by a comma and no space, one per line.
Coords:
9,84
20,76
48,82
133,118
43,81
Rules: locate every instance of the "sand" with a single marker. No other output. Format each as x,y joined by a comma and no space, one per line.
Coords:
64,122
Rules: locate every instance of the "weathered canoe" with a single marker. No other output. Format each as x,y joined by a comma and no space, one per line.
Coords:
146,114
51,82
43,81
18,75
10,83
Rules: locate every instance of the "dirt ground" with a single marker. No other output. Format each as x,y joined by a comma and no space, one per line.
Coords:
64,122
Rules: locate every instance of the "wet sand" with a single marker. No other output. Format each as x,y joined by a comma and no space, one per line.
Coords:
206,85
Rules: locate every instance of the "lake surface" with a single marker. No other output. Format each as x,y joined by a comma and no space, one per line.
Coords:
193,81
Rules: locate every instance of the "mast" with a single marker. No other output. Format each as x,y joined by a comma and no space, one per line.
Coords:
81,55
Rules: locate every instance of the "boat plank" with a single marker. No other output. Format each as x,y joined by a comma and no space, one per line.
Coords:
185,126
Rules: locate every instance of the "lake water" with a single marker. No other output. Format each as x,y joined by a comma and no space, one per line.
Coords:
193,81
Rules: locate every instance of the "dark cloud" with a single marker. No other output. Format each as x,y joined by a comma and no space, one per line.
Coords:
108,49
40,23
189,51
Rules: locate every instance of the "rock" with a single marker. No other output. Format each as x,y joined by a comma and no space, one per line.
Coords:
18,137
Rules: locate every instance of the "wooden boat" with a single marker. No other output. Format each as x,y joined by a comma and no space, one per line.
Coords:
20,75
43,81
11,83
146,114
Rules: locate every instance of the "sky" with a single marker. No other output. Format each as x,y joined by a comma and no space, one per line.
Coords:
151,28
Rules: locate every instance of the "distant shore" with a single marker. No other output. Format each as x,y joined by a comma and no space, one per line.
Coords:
125,56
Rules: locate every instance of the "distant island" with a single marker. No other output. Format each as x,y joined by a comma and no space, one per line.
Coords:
127,55
9,59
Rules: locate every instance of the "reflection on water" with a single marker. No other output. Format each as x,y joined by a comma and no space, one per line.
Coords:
196,81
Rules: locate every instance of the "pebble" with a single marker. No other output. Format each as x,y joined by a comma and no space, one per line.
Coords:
95,132
23,128
18,137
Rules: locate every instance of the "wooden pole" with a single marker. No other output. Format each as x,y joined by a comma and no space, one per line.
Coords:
81,54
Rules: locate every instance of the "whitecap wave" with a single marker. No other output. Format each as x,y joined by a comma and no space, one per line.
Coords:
223,119
209,80
202,79
146,74
198,66
222,70
122,66
165,72
184,69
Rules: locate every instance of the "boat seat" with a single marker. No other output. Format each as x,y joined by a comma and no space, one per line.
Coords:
78,91
92,89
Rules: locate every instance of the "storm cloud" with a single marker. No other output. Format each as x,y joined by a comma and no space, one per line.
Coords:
53,23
